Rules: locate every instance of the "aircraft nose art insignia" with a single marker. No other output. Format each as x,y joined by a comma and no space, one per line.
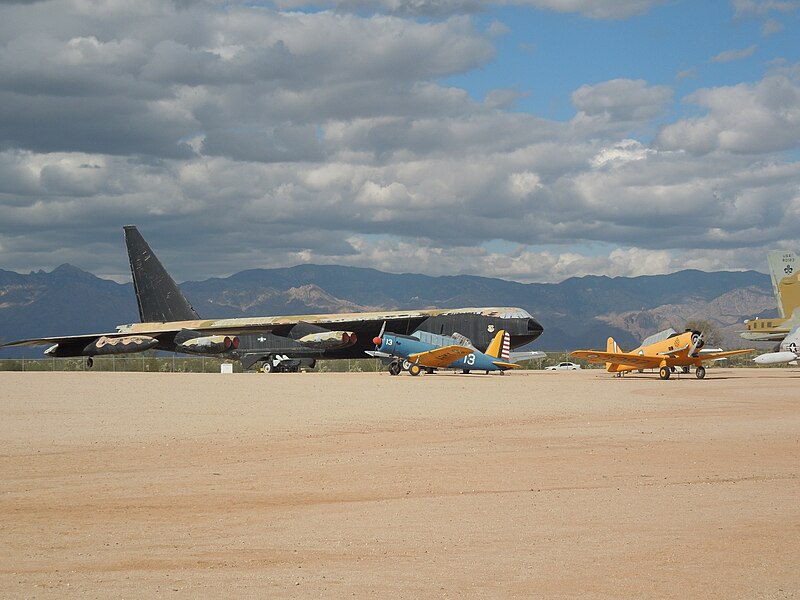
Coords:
788,269
490,329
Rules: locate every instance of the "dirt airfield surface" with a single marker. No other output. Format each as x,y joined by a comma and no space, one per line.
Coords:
323,485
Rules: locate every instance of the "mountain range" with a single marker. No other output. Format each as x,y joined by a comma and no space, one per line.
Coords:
580,312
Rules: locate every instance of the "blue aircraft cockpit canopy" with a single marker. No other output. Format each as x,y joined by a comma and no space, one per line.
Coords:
442,340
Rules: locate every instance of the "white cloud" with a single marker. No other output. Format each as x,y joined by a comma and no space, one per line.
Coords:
618,103
623,152
599,9
732,55
595,9
253,137
745,118
771,26
395,256
497,29
236,76
89,51
769,11
524,184
763,7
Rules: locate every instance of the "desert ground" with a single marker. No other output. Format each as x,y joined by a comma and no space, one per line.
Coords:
326,485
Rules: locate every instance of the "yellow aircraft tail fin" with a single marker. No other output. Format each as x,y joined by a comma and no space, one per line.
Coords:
500,346
613,348
784,270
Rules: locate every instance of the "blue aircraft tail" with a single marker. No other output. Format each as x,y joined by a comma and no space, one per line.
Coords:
500,346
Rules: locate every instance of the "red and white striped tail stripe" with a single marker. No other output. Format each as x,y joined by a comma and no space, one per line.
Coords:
506,347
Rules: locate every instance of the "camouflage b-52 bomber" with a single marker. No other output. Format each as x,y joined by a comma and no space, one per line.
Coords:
169,323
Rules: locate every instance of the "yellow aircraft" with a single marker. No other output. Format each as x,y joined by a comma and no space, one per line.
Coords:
664,351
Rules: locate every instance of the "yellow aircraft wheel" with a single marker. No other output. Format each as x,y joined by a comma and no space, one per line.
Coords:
414,370
664,372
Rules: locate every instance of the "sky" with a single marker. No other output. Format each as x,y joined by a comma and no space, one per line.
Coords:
531,140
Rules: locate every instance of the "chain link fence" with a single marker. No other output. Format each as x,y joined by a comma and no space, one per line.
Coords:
180,364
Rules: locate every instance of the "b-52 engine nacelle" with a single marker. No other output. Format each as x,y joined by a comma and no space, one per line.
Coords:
106,346
328,340
207,344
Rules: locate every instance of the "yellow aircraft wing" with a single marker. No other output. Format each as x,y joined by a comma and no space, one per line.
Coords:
506,365
638,361
717,355
440,357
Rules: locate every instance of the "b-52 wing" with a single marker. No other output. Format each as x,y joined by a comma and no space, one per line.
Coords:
65,339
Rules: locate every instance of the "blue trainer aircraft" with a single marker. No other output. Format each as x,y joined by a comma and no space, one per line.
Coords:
429,351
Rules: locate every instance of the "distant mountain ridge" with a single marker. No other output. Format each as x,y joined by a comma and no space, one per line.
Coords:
578,312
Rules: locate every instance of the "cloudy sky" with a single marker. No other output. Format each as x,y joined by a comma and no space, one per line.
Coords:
525,139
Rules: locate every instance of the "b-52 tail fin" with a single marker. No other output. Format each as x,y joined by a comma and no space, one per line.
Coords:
158,296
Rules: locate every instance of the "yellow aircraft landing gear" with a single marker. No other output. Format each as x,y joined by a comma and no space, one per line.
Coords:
664,372
414,370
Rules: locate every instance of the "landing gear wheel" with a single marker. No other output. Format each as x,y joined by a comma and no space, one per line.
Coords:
700,372
685,369
267,367
664,372
406,365
395,368
89,362
414,370
465,371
